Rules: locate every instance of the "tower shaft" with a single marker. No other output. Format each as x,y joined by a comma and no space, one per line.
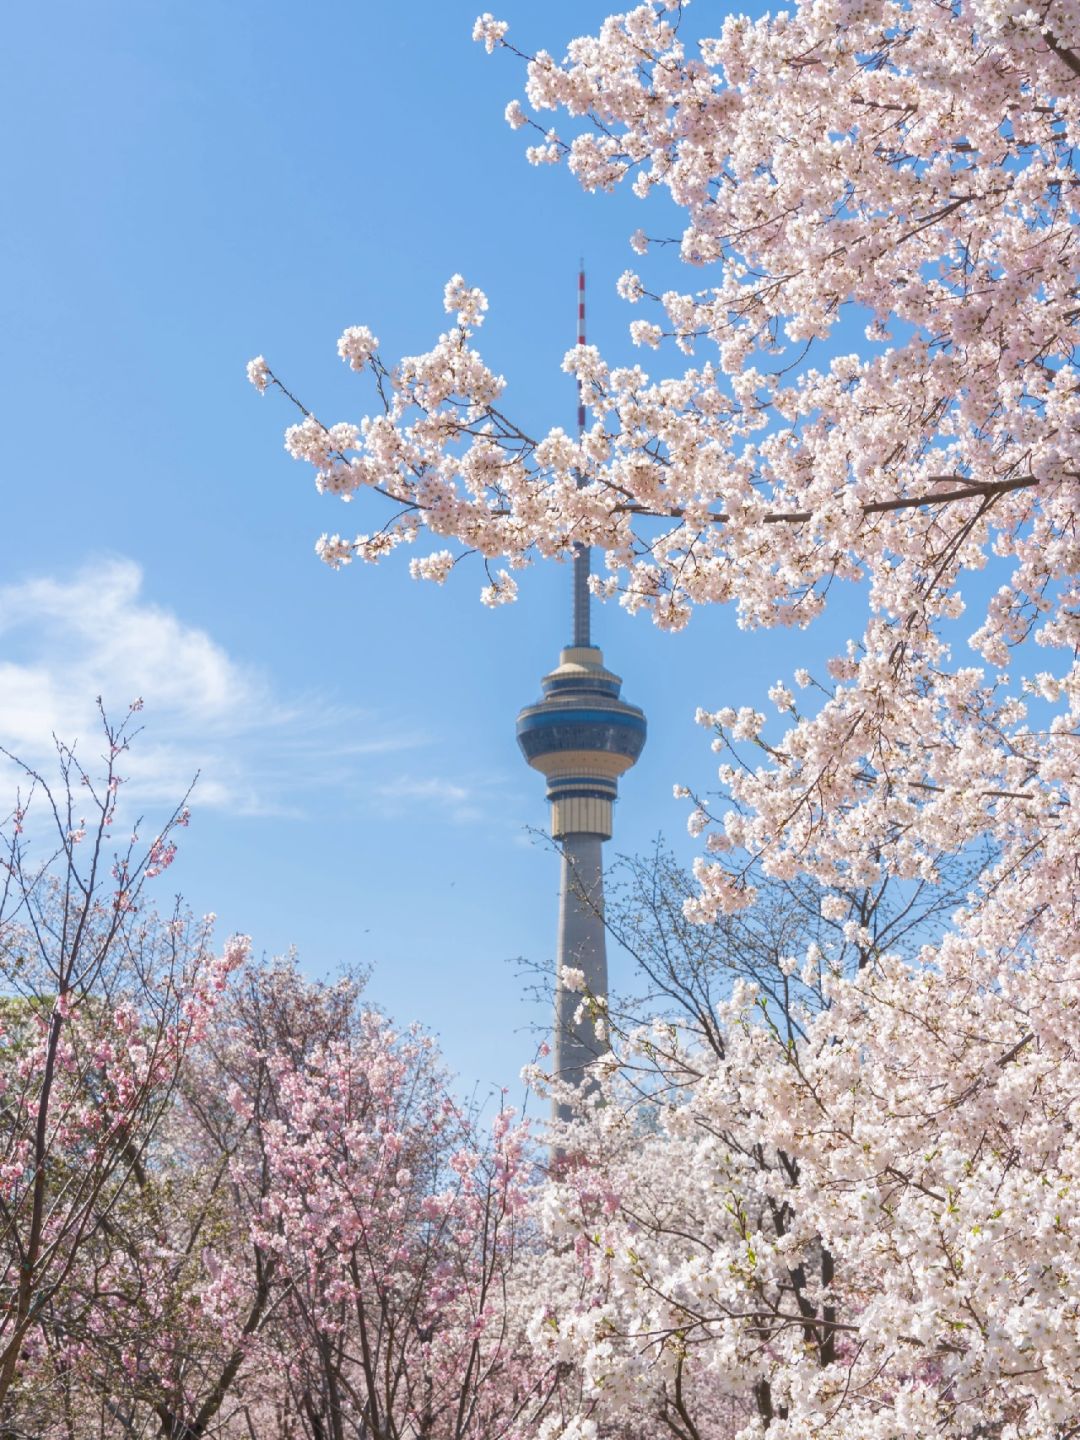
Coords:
582,946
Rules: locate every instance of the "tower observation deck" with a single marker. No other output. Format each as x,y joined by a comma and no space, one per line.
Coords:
582,737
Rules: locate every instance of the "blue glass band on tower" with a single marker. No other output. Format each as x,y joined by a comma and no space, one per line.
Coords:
581,734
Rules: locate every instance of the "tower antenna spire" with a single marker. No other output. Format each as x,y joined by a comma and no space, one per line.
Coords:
582,558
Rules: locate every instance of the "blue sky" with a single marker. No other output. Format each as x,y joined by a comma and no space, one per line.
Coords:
189,185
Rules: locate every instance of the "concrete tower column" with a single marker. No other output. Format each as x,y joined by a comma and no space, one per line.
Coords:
582,945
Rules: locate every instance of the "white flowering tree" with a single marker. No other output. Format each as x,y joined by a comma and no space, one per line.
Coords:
904,172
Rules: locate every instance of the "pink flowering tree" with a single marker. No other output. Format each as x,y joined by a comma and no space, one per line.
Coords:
319,1242
177,1306
100,1003
182,1346
395,1225
903,173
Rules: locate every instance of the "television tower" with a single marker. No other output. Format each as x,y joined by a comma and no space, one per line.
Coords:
581,737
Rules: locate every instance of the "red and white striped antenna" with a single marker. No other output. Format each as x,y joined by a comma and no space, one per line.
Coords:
580,341
581,597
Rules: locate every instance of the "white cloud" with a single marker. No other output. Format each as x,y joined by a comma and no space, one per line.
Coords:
461,803
64,642
408,792
443,792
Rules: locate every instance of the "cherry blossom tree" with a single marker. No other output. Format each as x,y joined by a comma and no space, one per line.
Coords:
868,1223
101,1003
904,173
319,1241
830,166
393,1225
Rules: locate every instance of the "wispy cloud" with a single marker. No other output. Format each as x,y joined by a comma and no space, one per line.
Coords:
461,802
65,641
